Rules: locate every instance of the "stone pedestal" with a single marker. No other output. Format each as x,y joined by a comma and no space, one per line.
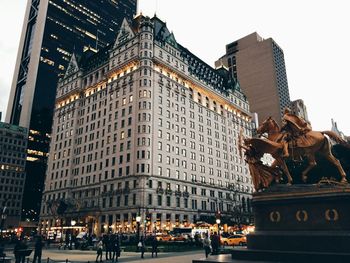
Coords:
300,223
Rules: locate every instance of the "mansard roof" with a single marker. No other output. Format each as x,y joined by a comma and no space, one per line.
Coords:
220,78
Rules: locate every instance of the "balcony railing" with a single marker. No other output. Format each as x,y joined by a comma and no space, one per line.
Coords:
177,193
160,191
186,194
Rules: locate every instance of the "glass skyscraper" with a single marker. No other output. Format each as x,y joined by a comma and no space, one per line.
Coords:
52,31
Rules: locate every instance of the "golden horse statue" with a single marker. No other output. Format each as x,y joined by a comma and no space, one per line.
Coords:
263,175
302,143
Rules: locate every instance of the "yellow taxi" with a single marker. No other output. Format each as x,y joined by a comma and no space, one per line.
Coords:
234,240
164,237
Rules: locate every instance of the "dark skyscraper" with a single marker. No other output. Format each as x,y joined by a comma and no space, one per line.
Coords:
52,31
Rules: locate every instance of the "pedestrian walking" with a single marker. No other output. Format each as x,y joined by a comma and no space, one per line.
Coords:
38,249
110,245
99,250
105,241
215,243
141,246
206,245
154,246
18,251
116,248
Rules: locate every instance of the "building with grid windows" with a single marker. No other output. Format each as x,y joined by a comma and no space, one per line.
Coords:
52,30
144,127
259,66
298,108
13,143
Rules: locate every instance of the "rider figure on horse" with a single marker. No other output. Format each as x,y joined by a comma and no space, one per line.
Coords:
293,127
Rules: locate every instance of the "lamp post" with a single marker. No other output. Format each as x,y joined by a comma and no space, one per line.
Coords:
3,217
138,220
73,223
218,221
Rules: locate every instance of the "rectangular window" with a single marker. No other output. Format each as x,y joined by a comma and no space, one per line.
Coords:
149,199
168,201
159,200
126,200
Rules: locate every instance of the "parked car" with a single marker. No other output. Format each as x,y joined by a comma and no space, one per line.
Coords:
179,237
234,240
164,237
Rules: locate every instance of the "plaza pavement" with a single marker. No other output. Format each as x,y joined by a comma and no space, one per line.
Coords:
58,256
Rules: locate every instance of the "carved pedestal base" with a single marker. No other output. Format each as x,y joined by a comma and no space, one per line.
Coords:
300,223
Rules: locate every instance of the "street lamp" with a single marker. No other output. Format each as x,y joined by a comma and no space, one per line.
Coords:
3,218
73,222
218,221
138,220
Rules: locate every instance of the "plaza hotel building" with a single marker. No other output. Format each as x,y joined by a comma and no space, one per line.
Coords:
145,128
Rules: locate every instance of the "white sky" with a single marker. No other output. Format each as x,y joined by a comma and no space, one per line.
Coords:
313,34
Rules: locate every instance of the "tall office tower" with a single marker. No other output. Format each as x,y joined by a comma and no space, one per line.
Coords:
298,108
144,127
259,66
13,143
52,30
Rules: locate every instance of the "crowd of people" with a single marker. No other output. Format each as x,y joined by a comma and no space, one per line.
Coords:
110,246
212,244
21,250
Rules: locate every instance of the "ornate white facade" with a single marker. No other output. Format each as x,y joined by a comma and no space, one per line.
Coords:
144,126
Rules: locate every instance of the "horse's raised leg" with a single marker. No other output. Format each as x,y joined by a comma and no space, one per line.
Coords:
336,162
284,167
273,165
312,164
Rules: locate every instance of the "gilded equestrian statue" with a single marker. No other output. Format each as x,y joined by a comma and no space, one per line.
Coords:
299,140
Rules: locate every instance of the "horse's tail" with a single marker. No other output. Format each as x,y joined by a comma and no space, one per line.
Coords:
334,136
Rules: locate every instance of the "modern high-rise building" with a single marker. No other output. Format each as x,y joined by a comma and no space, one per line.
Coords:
13,144
259,66
52,30
144,127
298,108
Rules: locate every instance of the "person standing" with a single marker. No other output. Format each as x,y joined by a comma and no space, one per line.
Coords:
19,251
154,246
206,245
215,243
38,249
16,251
110,246
99,250
141,246
105,241
116,248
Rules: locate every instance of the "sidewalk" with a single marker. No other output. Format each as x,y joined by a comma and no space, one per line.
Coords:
58,256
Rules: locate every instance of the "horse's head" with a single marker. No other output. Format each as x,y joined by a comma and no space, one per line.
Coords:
268,125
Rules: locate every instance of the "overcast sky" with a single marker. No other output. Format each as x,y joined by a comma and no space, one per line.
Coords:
313,34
